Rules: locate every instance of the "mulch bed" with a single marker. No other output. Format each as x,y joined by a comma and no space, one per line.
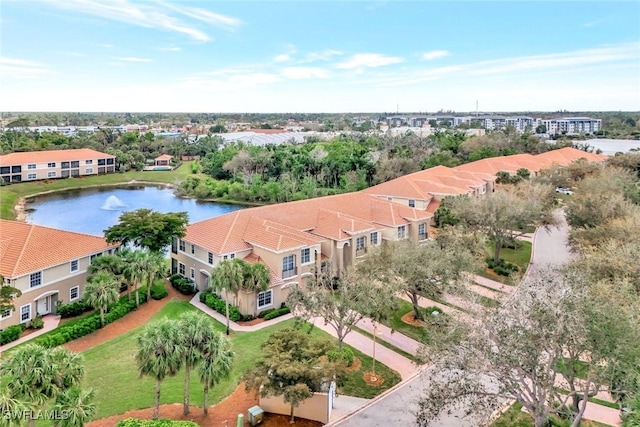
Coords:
409,319
255,321
355,365
373,379
131,321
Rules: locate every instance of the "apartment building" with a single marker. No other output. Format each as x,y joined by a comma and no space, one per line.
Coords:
572,125
51,164
48,266
294,240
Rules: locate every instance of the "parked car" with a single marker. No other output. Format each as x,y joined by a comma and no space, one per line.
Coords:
563,190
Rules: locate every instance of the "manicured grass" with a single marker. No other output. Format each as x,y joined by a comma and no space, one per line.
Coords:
9,194
519,257
487,302
385,344
111,369
515,417
418,333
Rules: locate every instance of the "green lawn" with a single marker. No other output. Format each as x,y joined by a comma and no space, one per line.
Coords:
515,417
520,257
111,370
418,333
9,194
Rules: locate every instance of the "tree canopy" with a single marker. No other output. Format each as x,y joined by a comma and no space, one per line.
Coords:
148,229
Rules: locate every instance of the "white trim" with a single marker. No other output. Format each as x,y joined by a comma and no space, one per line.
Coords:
72,288
52,283
21,307
46,294
258,306
77,261
205,272
288,285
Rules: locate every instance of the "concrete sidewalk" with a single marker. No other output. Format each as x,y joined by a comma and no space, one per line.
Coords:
394,338
50,323
496,286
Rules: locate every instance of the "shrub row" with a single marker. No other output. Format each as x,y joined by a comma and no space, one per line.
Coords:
502,267
10,334
72,309
277,313
213,301
158,291
73,330
184,286
134,422
345,355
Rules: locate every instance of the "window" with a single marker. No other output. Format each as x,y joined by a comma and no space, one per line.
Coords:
88,162
193,249
289,266
210,258
74,265
402,232
305,256
232,256
374,238
183,246
94,256
31,166
412,203
36,279
192,273
5,314
360,243
25,313
224,258
31,176
51,174
89,170
101,162
181,268
265,298
421,231
75,164
74,293
51,165
64,165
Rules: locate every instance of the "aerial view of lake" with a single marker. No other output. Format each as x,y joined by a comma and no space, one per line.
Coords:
93,210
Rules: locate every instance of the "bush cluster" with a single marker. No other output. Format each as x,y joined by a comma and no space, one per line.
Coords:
10,334
84,326
277,313
502,267
184,286
134,422
72,309
213,301
36,323
158,291
345,355
434,316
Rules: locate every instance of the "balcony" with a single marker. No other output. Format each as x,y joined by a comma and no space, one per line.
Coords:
290,273
360,252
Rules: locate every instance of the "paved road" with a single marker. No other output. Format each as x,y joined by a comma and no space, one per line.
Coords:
550,247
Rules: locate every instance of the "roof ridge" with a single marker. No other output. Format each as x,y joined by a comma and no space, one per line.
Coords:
412,184
24,247
229,231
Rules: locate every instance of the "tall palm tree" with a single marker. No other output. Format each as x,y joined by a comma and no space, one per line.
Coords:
193,332
133,271
216,363
228,276
77,404
257,277
102,289
159,355
12,409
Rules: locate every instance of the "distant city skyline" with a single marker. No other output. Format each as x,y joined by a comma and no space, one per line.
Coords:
318,56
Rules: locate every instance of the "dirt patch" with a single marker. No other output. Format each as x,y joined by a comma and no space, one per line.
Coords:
255,321
131,321
373,379
355,365
224,413
409,319
491,272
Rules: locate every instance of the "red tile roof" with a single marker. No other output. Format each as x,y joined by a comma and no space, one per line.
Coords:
51,156
26,248
164,157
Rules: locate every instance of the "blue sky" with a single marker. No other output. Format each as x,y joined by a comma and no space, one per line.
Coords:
318,56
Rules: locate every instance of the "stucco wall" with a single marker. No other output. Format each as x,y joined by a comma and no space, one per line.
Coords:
315,408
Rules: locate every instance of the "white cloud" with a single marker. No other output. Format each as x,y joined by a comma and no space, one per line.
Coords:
283,57
301,73
435,54
133,59
21,68
323,55
170,49
149,15
371,60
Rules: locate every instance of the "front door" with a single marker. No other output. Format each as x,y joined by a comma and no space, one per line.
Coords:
44,305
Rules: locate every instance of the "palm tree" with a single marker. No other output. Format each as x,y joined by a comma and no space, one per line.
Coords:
216,363
38,374
257,277
133,271
193,332
77,404
12,409
228,276
153,267
111,263
159,355
102,289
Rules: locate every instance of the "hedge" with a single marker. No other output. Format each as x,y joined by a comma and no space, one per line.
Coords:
502,267
277,313
10,334
87,325
158,291
183,285
213,301
72,309
346,355
134,422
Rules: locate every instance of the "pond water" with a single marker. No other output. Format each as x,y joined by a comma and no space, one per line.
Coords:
93,210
